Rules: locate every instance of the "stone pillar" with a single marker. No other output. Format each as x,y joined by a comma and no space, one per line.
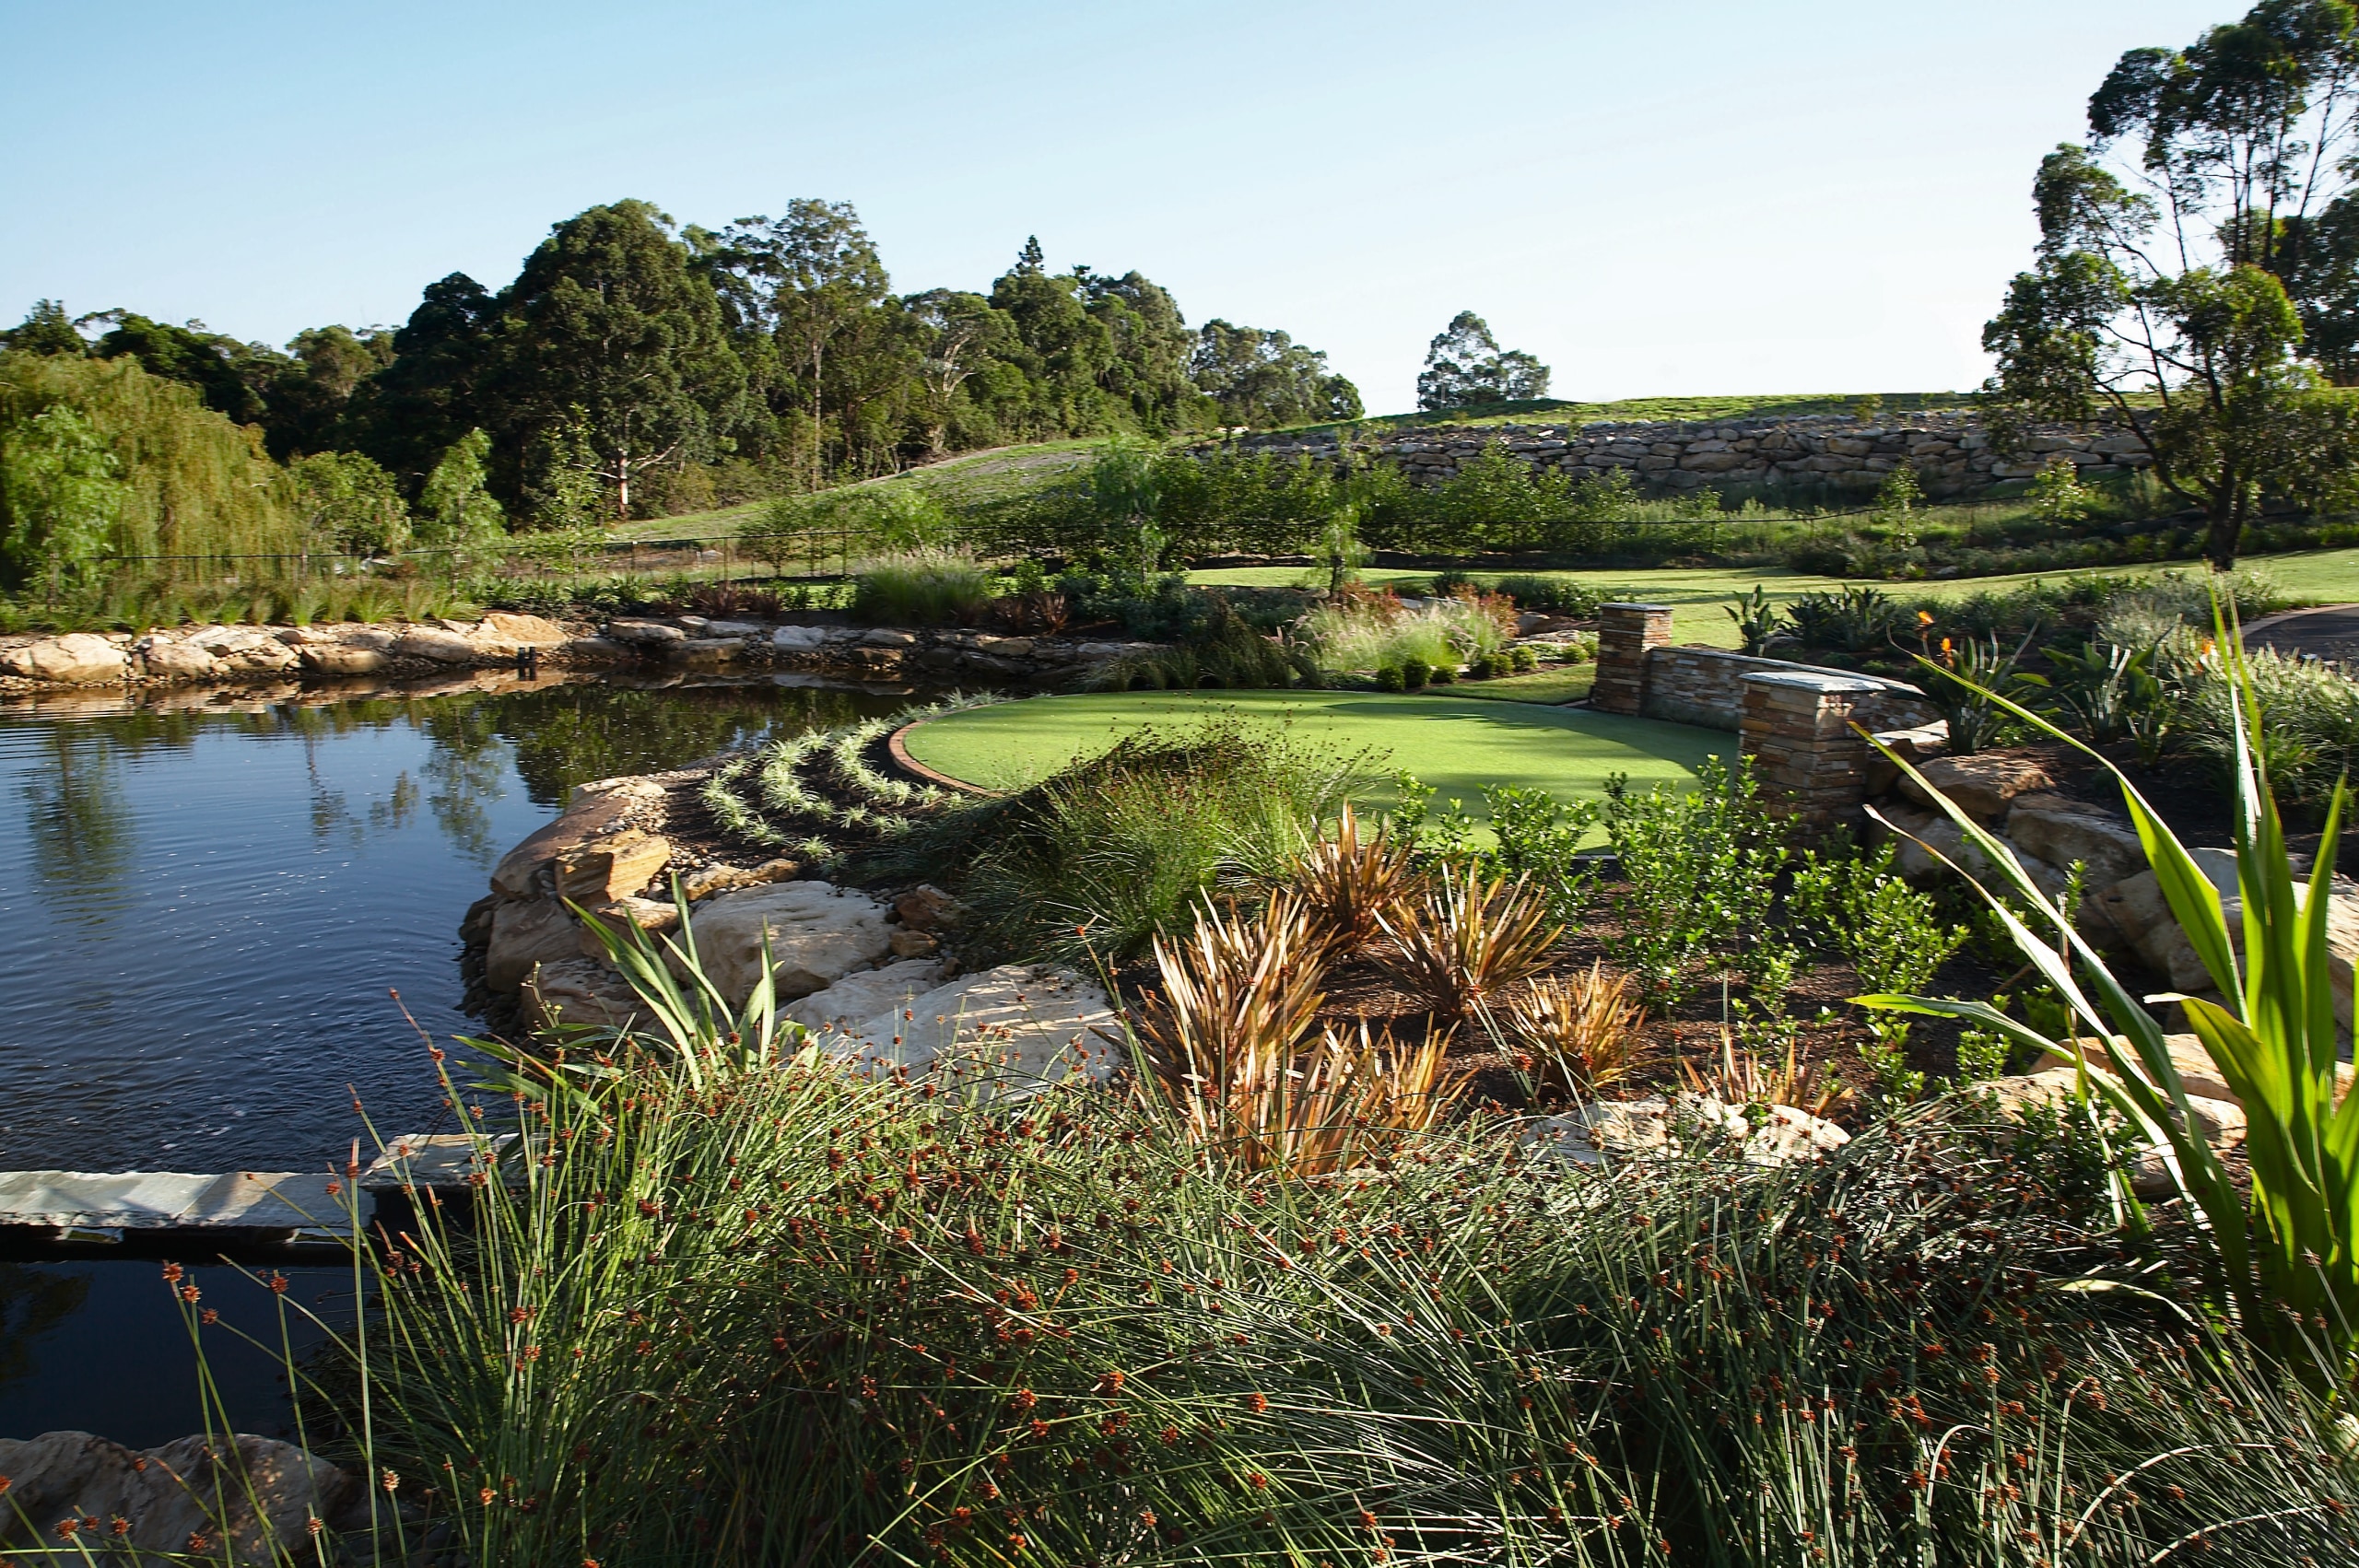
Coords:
1797,734
1626,634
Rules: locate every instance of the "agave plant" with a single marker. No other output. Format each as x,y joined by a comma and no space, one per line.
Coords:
1465,940
2285,1260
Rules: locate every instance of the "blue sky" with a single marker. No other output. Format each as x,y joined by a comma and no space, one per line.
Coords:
1714,197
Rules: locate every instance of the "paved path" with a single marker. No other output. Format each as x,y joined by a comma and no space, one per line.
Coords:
2329,632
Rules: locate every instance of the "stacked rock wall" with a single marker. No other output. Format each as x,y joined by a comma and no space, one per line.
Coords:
1953,454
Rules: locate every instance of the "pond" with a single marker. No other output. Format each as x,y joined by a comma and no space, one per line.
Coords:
208,907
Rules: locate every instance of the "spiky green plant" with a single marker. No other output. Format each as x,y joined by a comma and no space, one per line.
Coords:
2285,1259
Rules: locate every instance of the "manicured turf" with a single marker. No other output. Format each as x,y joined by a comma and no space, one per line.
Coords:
1699,594
1453,744
1554,683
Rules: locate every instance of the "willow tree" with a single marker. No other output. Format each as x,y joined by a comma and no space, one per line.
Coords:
198,497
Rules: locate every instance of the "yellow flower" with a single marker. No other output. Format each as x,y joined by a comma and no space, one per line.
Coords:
1924,617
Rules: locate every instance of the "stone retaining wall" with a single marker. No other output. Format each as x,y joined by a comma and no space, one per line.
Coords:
1640,673
1952,453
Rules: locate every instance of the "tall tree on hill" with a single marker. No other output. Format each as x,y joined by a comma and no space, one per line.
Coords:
434,391
1464,365
46,328
610,334
1061,349
1265,378
2184,248
808,282
1151,342
961,335
229,375
311,394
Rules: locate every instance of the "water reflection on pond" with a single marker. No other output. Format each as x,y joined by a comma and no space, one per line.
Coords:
208,907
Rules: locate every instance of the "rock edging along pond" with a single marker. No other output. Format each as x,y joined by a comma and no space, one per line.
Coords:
874,977
215,654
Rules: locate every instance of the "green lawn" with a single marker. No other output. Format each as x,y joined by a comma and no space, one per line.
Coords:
1556,682
1697,595
1456,745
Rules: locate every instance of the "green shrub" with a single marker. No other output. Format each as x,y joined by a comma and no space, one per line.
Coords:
1552,595
1890,933
1455,584
1228,654
1391,679
1444,674
1522,658
1697,868
1415,673
2308,724
926,588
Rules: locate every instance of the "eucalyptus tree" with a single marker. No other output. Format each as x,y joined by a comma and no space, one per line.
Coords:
2187,249
1465,364
1263,378
808,282
438,386
962,335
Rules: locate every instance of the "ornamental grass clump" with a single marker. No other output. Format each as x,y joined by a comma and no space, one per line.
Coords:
1461,939
1095,860
797,1316
2282,1254
923,588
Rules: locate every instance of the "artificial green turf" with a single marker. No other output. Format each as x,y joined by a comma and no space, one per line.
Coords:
1698,595
1453,744
1556,682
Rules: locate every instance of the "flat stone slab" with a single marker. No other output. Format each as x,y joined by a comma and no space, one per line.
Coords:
170,1200
436,1160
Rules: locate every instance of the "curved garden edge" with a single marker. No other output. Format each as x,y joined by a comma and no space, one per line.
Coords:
897,743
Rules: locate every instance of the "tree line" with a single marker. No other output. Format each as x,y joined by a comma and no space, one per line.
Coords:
2197,267
635,367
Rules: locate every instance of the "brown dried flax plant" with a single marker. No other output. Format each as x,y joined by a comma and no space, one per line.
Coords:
1463,941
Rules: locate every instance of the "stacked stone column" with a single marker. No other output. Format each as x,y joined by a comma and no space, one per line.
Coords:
1626,635
1797,734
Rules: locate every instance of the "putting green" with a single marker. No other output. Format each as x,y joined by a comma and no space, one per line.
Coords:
1456,745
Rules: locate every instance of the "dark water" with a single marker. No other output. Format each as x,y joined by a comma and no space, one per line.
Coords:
200,915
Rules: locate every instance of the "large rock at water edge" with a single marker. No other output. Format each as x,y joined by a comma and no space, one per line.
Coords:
82,659
267,1492
818,933
526,932
529,868
857,998
1021,1028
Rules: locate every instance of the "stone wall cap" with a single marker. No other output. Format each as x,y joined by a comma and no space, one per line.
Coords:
1620,604
1796,680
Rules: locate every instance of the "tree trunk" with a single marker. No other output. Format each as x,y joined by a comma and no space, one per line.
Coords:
2225,527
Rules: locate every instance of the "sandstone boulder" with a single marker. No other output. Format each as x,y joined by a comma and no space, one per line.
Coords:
80,659
511,630
2060,832
2138,910
706,881
169,660
581,990
611,866
267,1491
1017,1030
818,933
866,994
594,813
526,932
340,659
798,640
1982,784
441,646
927,908
644,633
1685,1123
